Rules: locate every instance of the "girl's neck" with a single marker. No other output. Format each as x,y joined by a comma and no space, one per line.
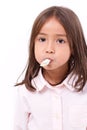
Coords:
55,77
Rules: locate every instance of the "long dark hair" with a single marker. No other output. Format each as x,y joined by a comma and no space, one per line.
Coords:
78,60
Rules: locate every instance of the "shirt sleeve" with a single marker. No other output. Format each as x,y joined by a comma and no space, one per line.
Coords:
21,116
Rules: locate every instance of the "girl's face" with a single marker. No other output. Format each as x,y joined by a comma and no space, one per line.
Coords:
51,43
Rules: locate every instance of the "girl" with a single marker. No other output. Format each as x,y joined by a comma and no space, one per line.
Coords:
53,94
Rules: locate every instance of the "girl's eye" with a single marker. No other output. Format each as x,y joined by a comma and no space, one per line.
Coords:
42,39
61,41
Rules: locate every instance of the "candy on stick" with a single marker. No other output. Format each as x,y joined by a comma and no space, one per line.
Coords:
45,62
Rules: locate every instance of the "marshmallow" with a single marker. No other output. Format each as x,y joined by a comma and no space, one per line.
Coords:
45,62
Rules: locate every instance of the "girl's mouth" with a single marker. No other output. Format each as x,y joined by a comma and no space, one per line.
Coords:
45,62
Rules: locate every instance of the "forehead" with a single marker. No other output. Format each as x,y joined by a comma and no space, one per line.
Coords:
53,25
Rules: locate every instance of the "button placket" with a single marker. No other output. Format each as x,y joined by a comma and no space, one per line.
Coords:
57,112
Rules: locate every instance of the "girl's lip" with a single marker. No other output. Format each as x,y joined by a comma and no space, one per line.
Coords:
48,59
45,62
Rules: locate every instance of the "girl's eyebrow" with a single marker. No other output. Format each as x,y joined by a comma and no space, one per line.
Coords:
42,34
63,35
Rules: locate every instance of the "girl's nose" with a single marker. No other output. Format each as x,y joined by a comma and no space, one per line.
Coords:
50,49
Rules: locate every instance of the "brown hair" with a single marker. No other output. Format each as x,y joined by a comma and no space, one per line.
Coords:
78,60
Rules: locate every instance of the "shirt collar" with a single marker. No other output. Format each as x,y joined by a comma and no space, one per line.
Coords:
39,82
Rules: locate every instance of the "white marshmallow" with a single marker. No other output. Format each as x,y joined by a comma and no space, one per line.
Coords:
45,62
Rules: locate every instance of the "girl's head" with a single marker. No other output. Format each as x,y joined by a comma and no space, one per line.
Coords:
73,30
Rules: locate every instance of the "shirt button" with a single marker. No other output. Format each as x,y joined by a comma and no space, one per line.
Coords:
56,116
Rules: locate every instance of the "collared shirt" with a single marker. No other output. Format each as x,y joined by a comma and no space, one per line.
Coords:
51,108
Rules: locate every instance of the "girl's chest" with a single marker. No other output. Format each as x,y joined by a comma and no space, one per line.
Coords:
68,108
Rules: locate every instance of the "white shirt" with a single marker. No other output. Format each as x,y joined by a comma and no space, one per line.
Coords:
51,108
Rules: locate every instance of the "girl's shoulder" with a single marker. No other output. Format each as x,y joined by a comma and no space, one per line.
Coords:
85,87
23,91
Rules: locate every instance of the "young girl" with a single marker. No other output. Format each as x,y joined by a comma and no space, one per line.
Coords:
53,93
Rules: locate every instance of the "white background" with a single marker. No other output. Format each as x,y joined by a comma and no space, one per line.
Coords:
16,19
